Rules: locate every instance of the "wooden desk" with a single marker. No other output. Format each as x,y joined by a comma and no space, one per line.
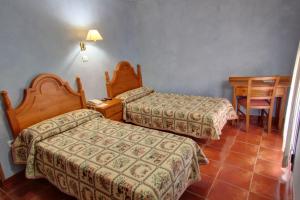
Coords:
240,87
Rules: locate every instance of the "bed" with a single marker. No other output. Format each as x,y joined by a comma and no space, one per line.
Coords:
196,116
90,157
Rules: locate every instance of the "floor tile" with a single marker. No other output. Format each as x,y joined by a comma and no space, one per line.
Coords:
272,141
15,182
51,192
249,138
229,131
240,160
268,168
224,144
253,129
248,149
189,196
221,191
36,189
253,196
273,135
270,154
202,187
4,195
269,187
201,142
215,154
211,169
235,176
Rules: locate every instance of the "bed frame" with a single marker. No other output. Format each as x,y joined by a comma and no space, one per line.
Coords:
47,96
124,79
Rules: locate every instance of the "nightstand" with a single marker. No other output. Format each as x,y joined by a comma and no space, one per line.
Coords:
111,109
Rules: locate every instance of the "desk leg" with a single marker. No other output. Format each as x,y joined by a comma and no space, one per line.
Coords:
282,110
234,99
234,122
277,110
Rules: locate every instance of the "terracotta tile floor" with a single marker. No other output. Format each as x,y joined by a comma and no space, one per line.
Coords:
242,166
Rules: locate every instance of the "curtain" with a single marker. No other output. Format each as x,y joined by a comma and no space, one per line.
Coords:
291,124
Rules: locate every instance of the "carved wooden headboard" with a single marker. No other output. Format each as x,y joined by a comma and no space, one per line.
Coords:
47,96
124,79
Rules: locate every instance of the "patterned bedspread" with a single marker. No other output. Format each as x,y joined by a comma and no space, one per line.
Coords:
197,116
104,159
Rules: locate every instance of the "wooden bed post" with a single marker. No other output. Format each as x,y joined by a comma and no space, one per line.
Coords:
6,99
81,91
10,112
139,74
108,85
106,76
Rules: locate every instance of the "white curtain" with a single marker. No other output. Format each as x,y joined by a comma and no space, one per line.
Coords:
291,124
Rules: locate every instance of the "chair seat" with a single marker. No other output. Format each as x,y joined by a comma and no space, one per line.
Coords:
254,102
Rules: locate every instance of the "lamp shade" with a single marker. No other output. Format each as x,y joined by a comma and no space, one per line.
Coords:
94,35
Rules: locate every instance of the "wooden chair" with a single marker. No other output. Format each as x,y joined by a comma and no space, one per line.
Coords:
261,96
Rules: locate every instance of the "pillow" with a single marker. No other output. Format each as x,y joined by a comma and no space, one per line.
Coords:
134,94
22,145
64,121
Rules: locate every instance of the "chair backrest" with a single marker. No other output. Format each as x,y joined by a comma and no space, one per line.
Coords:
262,88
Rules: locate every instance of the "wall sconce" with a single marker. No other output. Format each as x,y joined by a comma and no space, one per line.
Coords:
93,35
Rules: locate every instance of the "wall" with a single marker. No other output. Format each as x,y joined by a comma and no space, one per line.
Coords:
43,36
193,46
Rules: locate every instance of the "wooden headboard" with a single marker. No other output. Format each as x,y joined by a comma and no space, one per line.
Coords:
124,79
47,96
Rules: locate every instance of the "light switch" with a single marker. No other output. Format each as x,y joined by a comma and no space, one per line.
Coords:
9,142
85,58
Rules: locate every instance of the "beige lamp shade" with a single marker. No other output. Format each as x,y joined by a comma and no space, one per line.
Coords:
93,35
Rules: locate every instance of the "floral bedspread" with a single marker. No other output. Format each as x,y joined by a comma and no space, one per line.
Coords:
197,116
105,159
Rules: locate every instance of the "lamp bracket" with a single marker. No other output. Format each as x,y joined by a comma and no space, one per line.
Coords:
82,46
